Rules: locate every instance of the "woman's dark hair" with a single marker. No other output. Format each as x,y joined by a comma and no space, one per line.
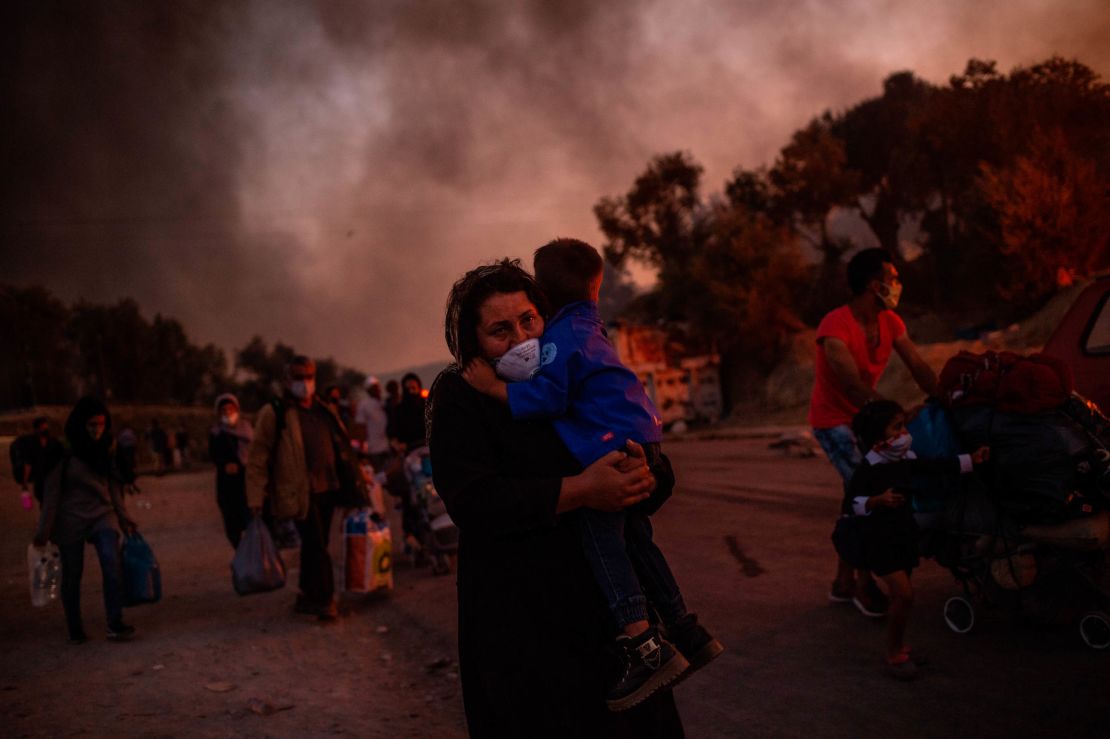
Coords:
870,423
865,266
411,376
467,296
96,454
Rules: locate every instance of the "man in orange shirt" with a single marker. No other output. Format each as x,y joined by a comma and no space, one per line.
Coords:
854,344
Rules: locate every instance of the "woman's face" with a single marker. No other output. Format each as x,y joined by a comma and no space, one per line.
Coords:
505,320
95,426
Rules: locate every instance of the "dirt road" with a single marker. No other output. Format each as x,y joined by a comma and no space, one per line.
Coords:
747,534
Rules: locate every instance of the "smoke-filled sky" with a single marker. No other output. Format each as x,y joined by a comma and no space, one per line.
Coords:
320,172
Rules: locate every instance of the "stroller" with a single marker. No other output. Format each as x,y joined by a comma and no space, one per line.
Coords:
435,532
1033,534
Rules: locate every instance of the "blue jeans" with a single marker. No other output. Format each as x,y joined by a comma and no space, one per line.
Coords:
841,448
105,539
628,566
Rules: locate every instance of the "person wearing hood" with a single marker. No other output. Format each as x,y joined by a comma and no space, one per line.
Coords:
228,443
406,426
83,503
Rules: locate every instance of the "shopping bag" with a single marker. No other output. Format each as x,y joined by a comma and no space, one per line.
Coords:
257,566
367,553
142,580
44,570
381,560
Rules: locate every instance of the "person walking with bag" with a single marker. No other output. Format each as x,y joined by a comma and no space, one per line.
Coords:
228,442
296,459
83,503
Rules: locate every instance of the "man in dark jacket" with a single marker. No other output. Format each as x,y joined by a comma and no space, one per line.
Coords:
33,456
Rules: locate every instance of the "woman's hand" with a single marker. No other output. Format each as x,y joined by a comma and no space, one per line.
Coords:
480,375
634,457
482,378
981,455
40,540
604,487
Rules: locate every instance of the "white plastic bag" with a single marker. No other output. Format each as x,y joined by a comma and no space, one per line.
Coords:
44,570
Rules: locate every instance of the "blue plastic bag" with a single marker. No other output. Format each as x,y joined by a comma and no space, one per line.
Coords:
142,579
934,437
257,567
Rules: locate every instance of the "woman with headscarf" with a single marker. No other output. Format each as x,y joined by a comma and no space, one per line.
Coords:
228,442
533,627
83,503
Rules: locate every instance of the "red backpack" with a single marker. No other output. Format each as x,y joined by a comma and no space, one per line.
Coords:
1009,382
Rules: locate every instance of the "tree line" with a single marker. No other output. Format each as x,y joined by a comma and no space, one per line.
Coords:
55,353
990,192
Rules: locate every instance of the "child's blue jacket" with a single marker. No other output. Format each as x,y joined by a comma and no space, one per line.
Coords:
595,402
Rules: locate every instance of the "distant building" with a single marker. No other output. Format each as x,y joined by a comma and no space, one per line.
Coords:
686,388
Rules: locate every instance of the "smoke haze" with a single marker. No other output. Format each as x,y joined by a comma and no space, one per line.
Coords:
320,173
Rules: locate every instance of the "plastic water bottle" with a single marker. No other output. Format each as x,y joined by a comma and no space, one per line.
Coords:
44,568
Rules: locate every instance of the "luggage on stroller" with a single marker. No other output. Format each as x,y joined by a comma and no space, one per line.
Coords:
437,533
1033,529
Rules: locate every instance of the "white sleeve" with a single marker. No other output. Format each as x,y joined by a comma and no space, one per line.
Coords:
859,506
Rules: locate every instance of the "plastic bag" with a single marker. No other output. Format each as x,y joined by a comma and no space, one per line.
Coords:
367,553
44,570
257,566
142,579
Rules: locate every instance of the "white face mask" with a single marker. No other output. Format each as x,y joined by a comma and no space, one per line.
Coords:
519,363
229,419
896,448
302,389
889,294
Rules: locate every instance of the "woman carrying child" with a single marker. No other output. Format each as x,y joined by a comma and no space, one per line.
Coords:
533,632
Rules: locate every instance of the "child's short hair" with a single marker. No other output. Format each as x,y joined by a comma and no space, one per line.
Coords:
565,269
870,423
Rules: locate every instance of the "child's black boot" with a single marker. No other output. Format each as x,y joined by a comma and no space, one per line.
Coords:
648,662
697,645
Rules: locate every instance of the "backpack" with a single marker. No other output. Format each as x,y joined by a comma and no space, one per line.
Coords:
1006,381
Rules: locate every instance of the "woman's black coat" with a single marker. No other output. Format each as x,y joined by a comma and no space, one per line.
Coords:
534,633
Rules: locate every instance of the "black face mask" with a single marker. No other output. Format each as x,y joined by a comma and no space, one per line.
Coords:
45,433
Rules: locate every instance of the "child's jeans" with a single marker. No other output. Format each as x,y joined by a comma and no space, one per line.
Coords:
628,566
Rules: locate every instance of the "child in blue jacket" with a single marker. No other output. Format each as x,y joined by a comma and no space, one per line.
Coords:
598,405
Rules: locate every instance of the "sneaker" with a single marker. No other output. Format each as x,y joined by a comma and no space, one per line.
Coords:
901,667
870,601
649,662
879,599
77,637
119,631
840,594
693,642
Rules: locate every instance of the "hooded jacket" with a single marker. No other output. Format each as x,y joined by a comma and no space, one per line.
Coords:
82,492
